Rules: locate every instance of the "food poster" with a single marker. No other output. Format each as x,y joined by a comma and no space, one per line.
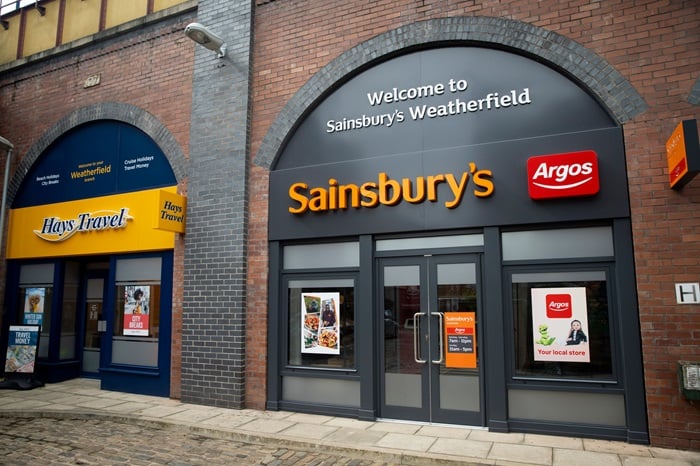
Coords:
560,324
460,340
136,306
320,322
22,346
34,306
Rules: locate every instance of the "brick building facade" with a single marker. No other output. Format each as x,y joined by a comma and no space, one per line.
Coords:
224,123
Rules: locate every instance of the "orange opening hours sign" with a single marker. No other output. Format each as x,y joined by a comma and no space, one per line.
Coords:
460,340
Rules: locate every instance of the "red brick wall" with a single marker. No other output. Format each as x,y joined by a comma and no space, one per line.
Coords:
654,44
152,71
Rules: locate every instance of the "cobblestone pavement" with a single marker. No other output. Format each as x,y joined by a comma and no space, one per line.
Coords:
50,441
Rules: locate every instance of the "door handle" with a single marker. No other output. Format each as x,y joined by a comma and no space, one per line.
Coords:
441,337
416,338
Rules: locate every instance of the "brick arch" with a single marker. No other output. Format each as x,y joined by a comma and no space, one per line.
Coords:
610,88
126,113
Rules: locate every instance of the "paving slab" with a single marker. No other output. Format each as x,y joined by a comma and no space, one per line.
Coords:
521,453
406,442
465,448
355,437
445,432
564,457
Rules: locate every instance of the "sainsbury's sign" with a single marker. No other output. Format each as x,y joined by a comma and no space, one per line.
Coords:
389,192
569,174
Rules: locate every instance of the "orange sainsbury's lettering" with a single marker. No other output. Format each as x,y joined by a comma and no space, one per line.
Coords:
389,192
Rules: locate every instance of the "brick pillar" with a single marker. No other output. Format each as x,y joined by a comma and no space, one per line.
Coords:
214,301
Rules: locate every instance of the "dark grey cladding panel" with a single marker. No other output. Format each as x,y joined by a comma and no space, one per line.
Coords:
437,98
509,204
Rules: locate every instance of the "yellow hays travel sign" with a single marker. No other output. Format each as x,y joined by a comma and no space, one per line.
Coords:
171,212
102,225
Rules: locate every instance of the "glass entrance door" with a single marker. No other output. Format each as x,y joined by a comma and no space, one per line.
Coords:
431,369
95,323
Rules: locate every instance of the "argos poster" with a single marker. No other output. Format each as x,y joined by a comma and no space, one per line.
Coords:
320,323
560,324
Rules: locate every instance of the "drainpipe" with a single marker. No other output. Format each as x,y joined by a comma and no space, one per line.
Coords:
7,146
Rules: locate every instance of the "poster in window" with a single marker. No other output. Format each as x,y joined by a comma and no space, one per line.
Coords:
136,307
22,345
560,324
460,340
34,306
320,328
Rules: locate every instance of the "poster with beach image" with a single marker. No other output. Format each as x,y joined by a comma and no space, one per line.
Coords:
34,306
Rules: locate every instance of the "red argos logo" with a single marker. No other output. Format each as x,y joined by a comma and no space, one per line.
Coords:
558,306
563,175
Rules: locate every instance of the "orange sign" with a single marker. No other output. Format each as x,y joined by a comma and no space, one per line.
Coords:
460,340
682,153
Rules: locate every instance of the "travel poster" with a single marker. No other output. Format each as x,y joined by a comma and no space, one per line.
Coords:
34,306
136,307
460,340
320,323
560,324
22,346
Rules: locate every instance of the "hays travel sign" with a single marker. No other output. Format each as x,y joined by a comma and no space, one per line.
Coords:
57,229
121,223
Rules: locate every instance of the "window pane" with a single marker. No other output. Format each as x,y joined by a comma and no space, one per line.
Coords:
136,324
306,324
137,311
69,313
558,244
431,242
317,256
559,336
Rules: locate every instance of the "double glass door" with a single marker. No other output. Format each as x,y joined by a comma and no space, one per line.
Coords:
431,369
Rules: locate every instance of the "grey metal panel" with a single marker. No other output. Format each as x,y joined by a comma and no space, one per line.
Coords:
333,391
509,204
603,409
36,274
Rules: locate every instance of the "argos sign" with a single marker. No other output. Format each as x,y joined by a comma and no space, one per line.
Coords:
570,174
558,306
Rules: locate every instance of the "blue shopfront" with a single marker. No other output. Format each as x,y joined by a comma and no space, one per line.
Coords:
90,257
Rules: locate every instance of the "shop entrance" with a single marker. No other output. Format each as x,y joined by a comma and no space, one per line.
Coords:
95,283
430,364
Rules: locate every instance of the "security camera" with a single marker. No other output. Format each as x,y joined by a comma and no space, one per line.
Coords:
205,37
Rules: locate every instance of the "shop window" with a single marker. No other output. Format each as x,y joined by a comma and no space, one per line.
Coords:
561,322
35,297
137,312
321,323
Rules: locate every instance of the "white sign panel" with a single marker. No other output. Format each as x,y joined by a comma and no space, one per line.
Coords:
687,293
560,324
